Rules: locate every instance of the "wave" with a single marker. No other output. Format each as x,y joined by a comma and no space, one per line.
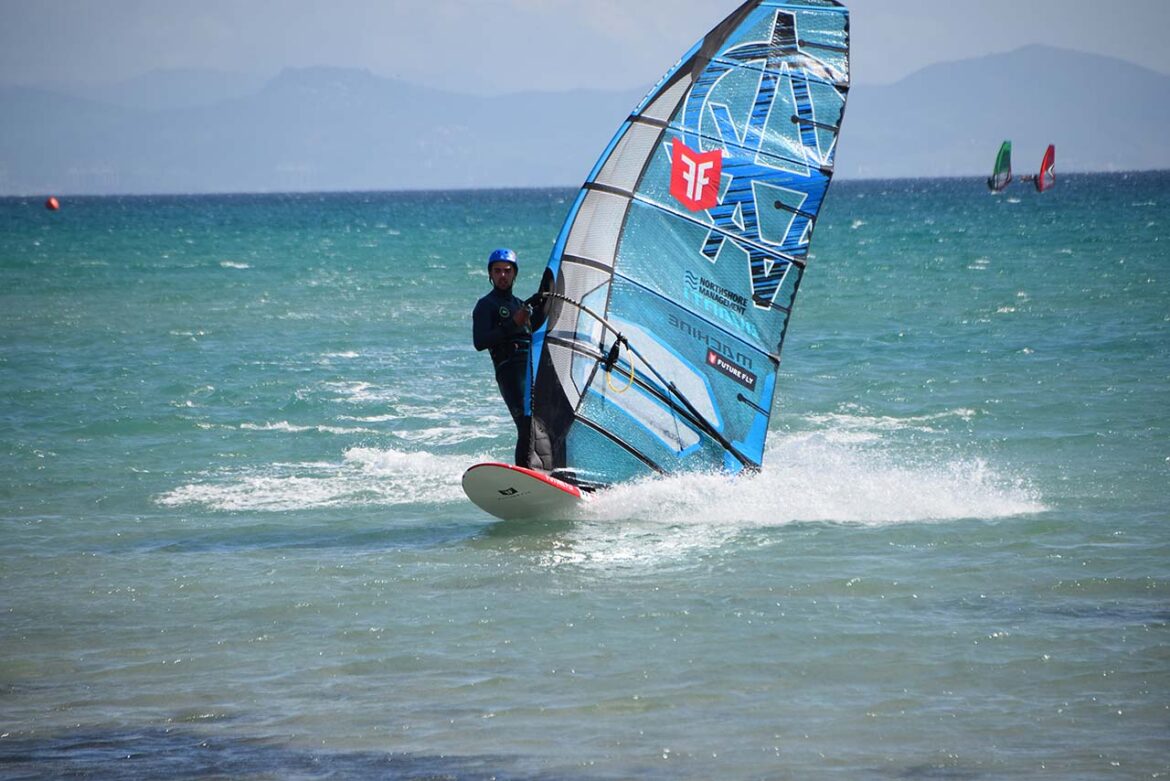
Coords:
290,428
853,424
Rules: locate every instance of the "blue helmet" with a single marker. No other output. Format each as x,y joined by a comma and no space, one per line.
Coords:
503,256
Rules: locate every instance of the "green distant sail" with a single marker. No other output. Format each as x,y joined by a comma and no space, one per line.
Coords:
1001,176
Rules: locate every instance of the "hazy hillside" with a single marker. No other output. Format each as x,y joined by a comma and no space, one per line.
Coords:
318,128
338,129
169,88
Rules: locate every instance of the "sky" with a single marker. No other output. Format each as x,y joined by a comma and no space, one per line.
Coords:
500,46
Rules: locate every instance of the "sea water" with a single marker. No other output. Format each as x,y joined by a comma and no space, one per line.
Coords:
235,546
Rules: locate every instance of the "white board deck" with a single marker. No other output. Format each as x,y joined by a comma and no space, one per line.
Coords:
515,493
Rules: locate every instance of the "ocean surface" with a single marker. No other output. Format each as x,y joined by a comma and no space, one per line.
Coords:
235,546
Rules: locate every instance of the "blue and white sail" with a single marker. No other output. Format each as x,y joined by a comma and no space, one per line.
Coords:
669,288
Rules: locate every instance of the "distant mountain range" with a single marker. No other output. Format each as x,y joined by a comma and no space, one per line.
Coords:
341,129
1102,113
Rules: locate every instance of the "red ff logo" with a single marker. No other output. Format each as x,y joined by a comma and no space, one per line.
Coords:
694,176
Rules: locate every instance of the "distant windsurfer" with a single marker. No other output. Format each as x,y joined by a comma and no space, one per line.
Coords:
501,324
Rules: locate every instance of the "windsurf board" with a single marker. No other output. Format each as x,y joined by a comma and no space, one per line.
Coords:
515,493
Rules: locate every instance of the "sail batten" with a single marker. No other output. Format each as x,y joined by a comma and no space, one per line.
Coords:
669,289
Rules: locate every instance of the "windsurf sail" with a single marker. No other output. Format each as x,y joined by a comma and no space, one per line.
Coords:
669,288
1001,175
1047,176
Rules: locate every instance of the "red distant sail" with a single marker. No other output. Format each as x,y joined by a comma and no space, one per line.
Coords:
1047,176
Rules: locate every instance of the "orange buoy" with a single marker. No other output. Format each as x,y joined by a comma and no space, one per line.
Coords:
52,204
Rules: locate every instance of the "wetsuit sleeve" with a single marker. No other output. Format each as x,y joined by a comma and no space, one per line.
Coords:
540,301
537,303
484,331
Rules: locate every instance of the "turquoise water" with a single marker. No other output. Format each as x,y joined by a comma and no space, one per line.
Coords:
232,430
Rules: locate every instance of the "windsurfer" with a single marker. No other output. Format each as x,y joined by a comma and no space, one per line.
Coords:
501,324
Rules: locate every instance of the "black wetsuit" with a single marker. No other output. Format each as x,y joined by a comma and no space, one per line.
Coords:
493,329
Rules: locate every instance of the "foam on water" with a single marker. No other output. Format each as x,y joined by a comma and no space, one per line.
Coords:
285,426
814,477
365,477
847,467
807,477
347,355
